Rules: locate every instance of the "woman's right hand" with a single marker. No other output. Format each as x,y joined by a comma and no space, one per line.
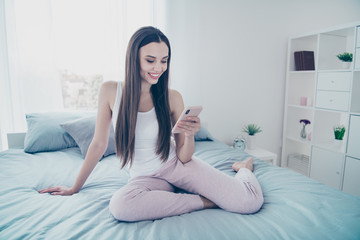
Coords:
98,144
58,190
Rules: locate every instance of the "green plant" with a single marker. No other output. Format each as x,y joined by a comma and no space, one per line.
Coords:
251,129
339,132
345,57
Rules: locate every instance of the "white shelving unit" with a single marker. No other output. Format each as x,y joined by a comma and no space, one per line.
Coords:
327,96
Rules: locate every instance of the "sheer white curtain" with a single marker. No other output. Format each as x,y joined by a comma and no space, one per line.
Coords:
44,40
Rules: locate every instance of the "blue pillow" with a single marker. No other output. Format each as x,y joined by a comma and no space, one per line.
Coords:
82,131
45,133
203,135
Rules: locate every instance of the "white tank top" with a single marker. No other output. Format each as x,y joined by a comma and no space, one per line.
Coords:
146,161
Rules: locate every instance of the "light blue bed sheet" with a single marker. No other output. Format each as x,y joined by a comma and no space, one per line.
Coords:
295,206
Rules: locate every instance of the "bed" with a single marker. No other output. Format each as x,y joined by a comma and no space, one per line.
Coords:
295,207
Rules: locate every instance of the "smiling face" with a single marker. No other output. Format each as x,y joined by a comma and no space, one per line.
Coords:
153,61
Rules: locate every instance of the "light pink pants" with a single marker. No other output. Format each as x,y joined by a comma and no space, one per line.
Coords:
152,197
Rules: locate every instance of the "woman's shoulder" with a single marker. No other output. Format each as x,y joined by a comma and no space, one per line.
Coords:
175,100
108,91
174,94
109,85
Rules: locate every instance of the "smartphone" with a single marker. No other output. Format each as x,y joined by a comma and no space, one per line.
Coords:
188,111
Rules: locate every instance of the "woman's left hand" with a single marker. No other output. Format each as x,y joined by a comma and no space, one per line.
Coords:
190,126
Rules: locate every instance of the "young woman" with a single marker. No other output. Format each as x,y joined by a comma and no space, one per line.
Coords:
143,109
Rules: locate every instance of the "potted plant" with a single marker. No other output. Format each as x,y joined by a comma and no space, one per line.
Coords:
339,132
346,58
251,129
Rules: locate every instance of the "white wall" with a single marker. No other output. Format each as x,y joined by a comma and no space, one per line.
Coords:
230,57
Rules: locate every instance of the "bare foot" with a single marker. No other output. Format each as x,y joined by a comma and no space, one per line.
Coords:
208,203
248,163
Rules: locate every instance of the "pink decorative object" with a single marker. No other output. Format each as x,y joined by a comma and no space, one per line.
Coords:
309,102
303,101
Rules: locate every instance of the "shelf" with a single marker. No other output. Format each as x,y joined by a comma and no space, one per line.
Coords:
325,70
324,122
345,32
330,110
307,43
326,96
301,107
301,86
302,72
298,140
355,93
332,44
332,146
335,70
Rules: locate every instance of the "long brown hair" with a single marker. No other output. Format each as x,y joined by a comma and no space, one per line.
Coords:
129,106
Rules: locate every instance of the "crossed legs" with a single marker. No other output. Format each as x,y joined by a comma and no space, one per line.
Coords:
153,197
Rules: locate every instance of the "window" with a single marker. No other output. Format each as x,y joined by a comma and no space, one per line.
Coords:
58,52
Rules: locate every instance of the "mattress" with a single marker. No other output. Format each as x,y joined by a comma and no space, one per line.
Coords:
295,207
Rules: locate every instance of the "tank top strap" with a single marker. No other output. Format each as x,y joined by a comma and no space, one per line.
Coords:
116,106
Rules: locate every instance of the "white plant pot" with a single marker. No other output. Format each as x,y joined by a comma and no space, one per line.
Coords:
346,65
338,143
251,142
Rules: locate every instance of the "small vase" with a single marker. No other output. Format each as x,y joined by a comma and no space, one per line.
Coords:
303,133
251,142
346,65
338,143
